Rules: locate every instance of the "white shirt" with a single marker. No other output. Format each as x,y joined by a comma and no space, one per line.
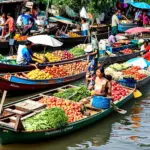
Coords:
20,58
85,26
115,21
19,20
2,20
142,48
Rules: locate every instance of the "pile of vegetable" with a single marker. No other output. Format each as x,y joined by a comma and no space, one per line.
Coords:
77,51
72,109
1,57
74,94
127,51
50,118
119,67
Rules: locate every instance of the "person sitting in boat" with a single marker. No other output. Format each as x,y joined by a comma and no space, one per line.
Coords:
112,39
25,55
84,27
144,46
147,56
28,22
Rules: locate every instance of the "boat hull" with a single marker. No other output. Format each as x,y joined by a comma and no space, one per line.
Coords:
24,87
27,137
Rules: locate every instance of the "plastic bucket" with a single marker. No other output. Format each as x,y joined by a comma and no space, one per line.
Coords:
101,102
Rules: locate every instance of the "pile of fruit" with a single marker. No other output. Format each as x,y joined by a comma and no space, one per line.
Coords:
39,56
63,55
118,91
127,51
18,37
53,118
52,58
38,74
56,71
75,68
72,109
73,35
134,72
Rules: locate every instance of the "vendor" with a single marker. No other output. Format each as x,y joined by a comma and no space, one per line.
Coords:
121,16
84,27
112,39
28,22
2,22
115,22
144,46
146,20
138,12
147,56
25,56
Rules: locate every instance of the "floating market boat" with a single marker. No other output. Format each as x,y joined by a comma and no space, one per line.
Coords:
11,130
20,82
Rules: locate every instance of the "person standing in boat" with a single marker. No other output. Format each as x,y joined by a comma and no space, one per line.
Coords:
28,22
25,55
11,25
84,27
115,22
2,22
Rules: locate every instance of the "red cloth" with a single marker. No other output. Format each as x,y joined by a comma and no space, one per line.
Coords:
147,48
147,56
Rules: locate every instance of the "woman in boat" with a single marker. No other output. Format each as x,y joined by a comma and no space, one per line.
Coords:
112,39
25,55
146,20
84,27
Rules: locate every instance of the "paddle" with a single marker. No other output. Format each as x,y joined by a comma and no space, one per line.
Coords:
2,101
137,93
120,111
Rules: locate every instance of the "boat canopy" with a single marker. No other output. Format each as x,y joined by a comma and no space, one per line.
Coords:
140,5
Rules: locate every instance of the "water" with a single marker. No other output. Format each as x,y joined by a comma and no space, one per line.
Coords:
115,132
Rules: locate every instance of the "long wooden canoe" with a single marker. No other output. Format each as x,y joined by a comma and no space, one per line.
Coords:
9,135
108,60
16,68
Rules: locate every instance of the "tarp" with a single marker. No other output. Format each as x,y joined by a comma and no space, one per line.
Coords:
141,5
141,62
61,19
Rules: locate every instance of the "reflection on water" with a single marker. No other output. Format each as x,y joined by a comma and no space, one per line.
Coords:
116,132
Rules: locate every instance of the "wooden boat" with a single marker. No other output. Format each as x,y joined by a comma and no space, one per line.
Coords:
16,68
10,135
108,60
23,84
82,39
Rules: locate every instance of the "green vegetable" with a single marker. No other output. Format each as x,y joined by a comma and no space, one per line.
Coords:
1,57
77,51
47,119
74,94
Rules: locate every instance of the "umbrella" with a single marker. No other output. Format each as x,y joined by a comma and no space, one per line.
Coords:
141,5
137,30
45,40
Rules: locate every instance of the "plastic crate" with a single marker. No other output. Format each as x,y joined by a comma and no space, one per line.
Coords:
127,83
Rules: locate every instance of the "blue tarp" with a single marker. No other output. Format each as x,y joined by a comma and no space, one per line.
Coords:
141,5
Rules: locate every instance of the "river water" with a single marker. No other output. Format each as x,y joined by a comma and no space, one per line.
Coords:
115,132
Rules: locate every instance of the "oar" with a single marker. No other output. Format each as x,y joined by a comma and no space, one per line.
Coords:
120,111
2,101
137,93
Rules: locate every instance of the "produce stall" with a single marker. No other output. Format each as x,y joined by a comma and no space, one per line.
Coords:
124,25
43,116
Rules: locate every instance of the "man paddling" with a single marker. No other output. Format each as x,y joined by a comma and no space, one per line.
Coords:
25,56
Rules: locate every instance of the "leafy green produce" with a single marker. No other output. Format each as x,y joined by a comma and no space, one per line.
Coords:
1,57
76,51
47,119
74,94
